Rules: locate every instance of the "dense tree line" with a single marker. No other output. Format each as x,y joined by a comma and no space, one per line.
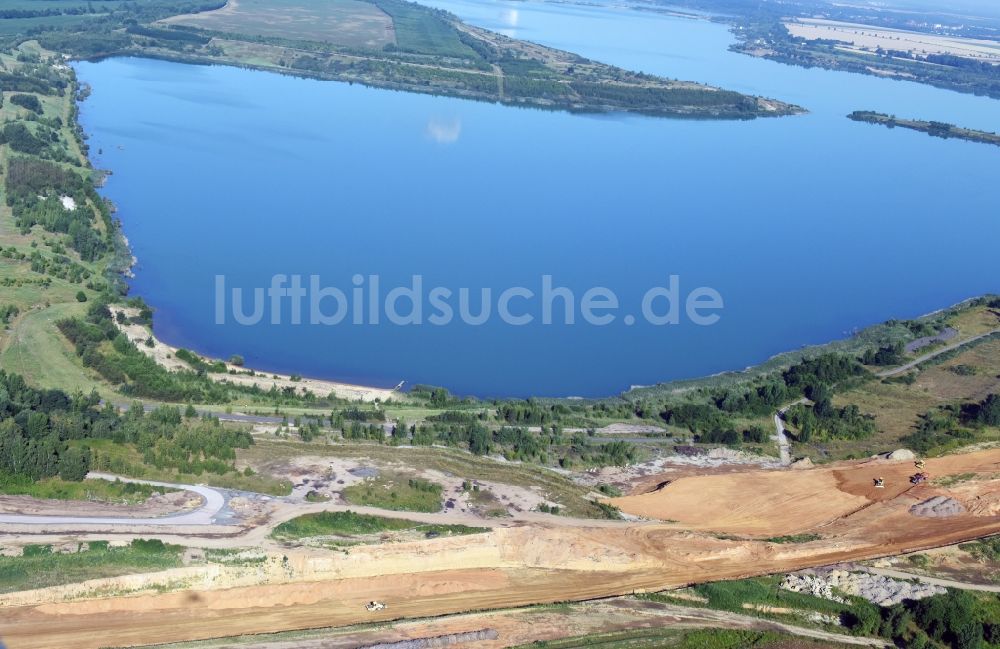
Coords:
958,619
656,99
31,102
732,437
37,426
984,413
20,138
824,422
43,84
884,356
517,443
807,378
182,35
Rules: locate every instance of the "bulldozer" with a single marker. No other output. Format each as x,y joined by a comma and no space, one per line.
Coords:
918,478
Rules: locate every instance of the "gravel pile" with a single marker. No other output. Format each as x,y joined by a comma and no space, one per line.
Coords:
883,591
938,507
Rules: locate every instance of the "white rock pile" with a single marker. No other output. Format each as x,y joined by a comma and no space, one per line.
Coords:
883,591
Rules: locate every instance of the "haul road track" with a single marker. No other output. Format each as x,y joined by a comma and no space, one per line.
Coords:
720,523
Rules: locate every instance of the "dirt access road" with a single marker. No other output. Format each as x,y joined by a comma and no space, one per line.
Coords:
533,562
937,352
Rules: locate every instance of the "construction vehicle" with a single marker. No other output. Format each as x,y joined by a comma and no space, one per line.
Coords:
880,483
920,464
918,478
375,606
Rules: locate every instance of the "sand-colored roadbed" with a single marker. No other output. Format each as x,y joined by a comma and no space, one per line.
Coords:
534,562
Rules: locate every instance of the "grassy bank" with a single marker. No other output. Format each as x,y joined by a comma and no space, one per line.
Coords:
123,493
350,525
41,566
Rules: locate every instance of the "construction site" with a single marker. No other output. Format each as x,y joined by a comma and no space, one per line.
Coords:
705,526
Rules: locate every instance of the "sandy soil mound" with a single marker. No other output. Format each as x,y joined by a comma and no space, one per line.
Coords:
768,503
980,499
938,507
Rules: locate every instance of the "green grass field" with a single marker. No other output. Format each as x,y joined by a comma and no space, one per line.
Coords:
36,350
420,31
346,23
397,493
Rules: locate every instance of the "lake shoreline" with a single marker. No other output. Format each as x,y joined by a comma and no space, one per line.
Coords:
736,152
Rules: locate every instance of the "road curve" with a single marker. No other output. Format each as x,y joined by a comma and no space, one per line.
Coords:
214,501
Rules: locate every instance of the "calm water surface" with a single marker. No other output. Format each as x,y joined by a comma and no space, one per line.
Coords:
808,226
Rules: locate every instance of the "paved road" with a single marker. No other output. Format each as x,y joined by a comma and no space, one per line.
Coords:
946,583
937,352
204,515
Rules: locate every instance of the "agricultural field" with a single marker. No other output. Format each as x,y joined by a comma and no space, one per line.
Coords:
344,23
869,38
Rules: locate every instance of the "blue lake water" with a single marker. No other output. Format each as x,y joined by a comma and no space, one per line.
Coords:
808,226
